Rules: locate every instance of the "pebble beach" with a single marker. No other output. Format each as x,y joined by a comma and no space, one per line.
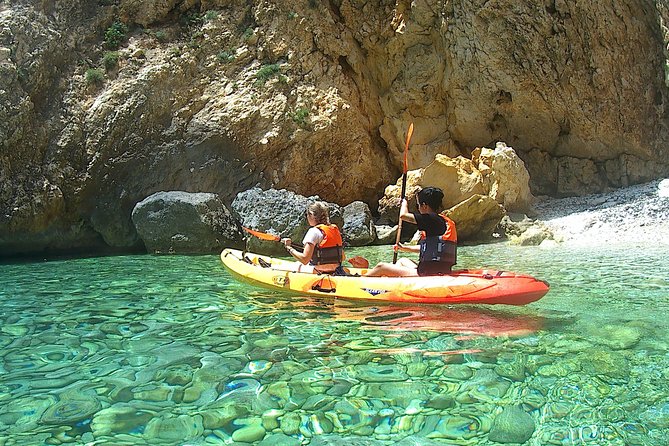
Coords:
634,215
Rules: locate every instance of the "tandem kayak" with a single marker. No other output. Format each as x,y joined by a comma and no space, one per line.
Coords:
460,287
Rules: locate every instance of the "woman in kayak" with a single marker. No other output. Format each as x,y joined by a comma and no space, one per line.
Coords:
437,248
323,247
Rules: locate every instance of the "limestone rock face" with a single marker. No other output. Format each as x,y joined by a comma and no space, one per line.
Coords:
182,222
315,97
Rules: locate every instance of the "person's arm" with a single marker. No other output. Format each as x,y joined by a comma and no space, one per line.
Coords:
311,238
303,257
405,214
408,248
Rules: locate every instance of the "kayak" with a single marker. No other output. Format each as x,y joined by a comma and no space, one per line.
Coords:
467,286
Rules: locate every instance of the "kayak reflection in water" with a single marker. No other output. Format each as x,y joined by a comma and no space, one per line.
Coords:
437,248
323,248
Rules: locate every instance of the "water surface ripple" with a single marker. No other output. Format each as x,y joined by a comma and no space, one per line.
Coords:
172,351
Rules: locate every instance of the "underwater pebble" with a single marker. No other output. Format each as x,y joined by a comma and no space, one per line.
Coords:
249,434
513,425
290,423
70,411
279,440
182,427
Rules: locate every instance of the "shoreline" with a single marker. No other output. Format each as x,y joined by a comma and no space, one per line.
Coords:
635,214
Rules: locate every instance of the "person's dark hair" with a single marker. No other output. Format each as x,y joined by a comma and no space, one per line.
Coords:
432,196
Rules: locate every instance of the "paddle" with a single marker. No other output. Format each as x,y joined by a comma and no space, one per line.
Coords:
357,261
266,236
262,235
404,189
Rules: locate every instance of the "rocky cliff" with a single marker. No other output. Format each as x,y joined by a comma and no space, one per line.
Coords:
104,103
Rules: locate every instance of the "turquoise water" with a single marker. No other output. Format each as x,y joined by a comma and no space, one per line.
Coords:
170,350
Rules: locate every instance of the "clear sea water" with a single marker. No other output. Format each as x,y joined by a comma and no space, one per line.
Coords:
170,350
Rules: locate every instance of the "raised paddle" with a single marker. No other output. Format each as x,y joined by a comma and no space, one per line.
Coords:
404,189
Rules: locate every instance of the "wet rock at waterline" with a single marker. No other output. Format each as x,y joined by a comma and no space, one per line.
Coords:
358,229
183,222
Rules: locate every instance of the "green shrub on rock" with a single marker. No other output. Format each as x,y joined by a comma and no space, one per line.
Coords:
265,73
115,35
110,60
94,76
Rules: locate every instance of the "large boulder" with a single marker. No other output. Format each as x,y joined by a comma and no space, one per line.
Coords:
477,191
522,230
278,212
476,217
458,177
505,177
389,204
385,235
358,229
183,222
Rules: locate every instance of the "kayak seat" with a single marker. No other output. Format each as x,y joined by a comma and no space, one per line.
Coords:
341,271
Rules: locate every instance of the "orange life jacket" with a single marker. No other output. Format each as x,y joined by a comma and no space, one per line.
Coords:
331,248
440,248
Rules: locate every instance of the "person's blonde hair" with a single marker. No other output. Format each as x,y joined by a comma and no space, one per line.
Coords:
320,211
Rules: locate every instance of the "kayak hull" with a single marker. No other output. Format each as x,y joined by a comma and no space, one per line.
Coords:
460,287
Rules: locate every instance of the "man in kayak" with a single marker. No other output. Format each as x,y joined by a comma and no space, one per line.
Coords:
437,247
323,246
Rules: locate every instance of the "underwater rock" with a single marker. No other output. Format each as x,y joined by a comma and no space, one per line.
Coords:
250,431
378,372
618,337
456,427
279,439
603,362
182,427
441,402
513,425
318,402
119,418
270,419
399,393
485,385
70,411
513,370
23,414
340,387
290,423
256,367
656,417
178,375
218,417
457,372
